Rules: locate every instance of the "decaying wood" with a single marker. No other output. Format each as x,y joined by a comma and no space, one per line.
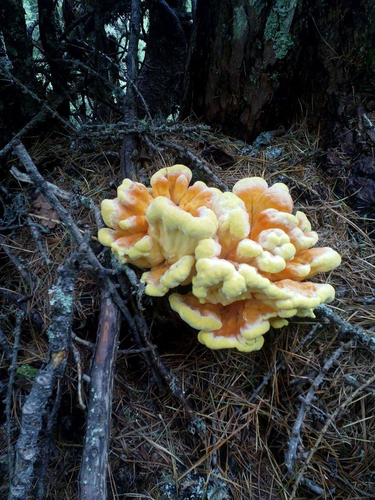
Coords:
33,410
94,465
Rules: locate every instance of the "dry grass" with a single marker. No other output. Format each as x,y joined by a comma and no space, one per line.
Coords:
153,453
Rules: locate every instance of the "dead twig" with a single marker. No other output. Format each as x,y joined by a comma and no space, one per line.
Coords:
16,262
8,399
348,330
78,362
322,433
21,302
356,383
38,240
295,438
198,163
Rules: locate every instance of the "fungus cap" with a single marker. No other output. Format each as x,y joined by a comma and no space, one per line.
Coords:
245,254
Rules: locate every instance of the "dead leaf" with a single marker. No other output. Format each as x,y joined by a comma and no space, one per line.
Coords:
43,209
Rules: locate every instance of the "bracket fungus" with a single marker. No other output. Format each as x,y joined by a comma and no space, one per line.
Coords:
244,253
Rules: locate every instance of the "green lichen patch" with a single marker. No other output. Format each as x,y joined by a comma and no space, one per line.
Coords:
62,299
26,371
278,27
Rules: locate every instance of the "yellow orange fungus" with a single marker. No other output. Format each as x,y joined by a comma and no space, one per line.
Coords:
244,253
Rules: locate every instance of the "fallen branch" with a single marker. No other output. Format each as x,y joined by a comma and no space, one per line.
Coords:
8,399
97,271
295,438
48,443
198,163
109,293
94,465
348,330
59,335
322,433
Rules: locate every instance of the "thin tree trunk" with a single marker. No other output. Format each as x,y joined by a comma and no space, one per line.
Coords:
163,67
49,30
129,145
17,108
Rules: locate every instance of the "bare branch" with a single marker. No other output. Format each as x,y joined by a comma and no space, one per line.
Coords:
8,399
295,439
323,432
59,335
16,262
93,474
348,330
198,163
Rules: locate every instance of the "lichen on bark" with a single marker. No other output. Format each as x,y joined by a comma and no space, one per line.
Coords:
278,26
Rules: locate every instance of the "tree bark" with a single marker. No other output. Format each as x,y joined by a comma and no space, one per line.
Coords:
16,107
163,67
49,30
257,65
92,485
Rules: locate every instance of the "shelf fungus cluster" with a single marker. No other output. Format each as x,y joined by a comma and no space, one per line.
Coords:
244,253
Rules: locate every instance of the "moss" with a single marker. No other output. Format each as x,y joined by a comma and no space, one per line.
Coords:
27,371
278,26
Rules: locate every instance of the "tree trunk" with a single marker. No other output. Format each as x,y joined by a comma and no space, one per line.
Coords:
257,65
163,67
16,107
49,30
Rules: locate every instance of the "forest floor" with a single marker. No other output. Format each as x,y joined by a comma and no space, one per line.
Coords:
249,403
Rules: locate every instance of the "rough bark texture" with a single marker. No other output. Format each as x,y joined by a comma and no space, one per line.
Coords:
256,65
59,335
98,426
